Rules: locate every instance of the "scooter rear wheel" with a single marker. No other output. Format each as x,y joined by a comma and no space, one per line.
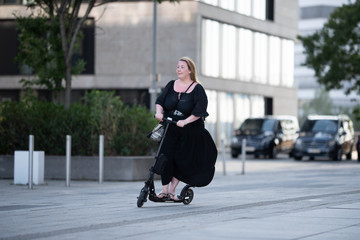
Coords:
142,197
187,194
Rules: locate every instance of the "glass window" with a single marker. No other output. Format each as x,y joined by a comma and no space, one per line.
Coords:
228,62
228,4
258,125
226,115
210,50
320,126
211,120
257,106
244,7
274,60
242,109
259,9
260,58
9,48
245,54
287,65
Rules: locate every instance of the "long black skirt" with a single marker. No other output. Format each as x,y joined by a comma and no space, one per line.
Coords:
191,154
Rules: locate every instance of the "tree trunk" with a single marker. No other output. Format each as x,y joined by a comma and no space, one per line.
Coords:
68,87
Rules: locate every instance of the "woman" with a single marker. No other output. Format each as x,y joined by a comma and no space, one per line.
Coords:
190,150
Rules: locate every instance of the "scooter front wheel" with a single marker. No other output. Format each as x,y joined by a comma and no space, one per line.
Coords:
187,194
142,197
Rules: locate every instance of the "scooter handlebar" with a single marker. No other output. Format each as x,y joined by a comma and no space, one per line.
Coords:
169,120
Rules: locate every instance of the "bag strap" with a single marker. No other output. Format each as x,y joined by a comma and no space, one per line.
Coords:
189,87
180,93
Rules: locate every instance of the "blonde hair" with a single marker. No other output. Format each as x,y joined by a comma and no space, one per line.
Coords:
192,67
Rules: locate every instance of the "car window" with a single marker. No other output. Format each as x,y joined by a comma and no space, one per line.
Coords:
258,125
323,125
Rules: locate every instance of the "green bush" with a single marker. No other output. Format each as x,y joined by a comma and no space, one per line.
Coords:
124,128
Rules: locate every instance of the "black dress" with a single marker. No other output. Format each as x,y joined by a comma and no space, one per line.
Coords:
190,150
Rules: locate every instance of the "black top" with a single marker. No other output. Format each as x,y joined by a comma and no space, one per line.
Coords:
192,103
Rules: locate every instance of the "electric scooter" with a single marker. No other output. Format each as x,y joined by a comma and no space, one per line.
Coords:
148,191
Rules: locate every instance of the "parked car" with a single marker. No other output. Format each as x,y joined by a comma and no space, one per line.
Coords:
329,136
266,136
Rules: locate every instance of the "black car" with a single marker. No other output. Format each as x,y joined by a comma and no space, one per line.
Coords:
266,136
329,136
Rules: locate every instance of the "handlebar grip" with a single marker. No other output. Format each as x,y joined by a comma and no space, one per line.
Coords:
169,120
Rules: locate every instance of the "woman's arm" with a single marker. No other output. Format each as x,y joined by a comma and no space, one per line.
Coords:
159,112
182,123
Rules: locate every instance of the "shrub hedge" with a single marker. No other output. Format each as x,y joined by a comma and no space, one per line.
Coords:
100,112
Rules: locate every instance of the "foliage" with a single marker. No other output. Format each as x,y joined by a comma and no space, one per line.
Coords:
320,104
124,128
323,105
58,38
333,52
40,49
130,137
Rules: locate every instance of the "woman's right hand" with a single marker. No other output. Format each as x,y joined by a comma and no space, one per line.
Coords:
159,116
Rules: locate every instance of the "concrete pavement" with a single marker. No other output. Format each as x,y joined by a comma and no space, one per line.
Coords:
275,199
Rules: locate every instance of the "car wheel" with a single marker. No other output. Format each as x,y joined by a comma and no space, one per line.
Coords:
297,158
348,155
272,151
338,154
234,155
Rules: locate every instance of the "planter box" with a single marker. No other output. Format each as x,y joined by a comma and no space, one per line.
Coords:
119,168
134,168
21,167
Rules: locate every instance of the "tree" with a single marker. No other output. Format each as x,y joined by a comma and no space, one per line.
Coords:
40,52
334,51
321,104
64,20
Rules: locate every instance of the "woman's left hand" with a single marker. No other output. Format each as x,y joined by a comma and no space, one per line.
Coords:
181,123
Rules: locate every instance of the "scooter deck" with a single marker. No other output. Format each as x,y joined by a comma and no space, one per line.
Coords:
154,198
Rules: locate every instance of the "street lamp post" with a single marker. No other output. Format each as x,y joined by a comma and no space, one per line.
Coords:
153,90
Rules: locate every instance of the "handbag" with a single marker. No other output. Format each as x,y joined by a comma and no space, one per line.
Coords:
157,133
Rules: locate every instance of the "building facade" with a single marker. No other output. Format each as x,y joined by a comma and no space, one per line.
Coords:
244,51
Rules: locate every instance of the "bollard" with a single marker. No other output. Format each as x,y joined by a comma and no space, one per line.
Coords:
101,159
223,156
31,158
243,155
68,160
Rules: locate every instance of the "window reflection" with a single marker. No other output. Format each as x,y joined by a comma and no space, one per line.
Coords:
274,60
242,108
259,9
287,63
228,4
211,120
228,62
260,58
244,7
245,54
226,115
257,106
253,8
210,48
